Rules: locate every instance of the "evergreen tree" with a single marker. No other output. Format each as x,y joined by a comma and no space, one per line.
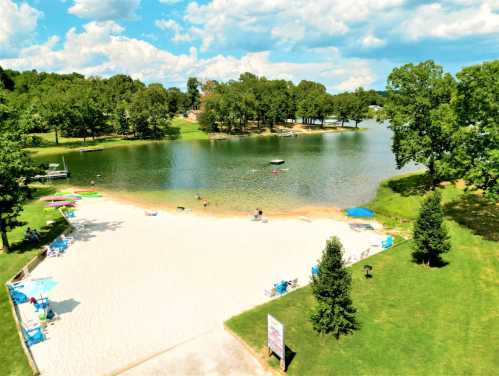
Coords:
335,312
430,235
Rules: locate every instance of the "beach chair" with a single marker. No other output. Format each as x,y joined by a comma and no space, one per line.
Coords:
68,239
17,296
41,304
315,270
281,287
49,252
270,293
387,243
33,335
293,283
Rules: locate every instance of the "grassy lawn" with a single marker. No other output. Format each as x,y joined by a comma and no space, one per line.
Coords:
414,320
180,130
12,359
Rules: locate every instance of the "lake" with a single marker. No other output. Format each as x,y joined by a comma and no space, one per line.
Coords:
327,170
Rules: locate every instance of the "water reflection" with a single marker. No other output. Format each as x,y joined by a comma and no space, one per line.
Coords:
329,169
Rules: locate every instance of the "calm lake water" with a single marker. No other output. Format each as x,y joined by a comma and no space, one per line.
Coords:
337,170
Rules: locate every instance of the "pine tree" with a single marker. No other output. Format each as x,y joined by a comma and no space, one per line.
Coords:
430,234
335,312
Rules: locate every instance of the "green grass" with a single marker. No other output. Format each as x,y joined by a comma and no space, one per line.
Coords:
414,320
180,130
189,131
12,359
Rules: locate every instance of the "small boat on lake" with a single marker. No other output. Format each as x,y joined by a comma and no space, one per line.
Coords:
89,150
277,161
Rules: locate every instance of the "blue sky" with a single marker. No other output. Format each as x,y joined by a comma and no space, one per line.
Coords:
343,44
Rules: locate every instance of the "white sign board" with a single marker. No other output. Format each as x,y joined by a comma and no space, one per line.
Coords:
275,336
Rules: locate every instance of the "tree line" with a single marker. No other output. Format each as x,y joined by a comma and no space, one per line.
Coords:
74,106
448,124
231,106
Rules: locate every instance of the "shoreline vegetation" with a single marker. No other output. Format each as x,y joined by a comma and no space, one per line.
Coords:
186,130
403,303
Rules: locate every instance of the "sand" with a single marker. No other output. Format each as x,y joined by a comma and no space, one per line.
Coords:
132,286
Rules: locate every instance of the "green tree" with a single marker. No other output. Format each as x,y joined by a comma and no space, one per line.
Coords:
16,172
122,119
430,234
360,106
418,107
56,112
193,92
149,115
335,312
476,154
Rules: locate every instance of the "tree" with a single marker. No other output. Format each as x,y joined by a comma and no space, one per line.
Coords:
418,107
16,172
193,92
148,112
430,235
335,312
122,119
56,112
359,106
343,104
476,153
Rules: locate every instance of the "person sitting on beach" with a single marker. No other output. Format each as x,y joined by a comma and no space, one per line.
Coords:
257,216
31,235
198,196
36,235
205,203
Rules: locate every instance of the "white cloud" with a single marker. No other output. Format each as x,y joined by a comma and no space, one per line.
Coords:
172,25
370,41
170,2
286,21
101,49
17,23
445,21
104,9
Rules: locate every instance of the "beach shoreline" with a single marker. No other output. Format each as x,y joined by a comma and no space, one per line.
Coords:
299,212
180,274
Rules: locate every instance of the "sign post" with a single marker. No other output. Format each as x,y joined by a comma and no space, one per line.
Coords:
275,339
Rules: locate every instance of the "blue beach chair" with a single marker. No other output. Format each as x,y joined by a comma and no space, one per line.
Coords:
388,242
41,304
17,296
315,270
33,336
281,287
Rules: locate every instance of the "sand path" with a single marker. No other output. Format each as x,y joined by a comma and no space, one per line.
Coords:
132,286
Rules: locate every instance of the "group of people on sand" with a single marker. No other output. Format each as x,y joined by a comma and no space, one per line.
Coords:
205,201
32,235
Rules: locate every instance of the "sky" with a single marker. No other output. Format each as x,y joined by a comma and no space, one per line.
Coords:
343,44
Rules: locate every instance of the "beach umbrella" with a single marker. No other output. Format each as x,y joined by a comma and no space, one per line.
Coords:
60,204
38,287
359,212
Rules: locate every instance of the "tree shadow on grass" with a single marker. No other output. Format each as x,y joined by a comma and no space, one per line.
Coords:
417,184
420,258
476,213
47,234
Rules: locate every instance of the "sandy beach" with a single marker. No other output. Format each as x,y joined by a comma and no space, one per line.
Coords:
132,285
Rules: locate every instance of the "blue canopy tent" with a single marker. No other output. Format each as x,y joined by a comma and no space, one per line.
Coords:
360,212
